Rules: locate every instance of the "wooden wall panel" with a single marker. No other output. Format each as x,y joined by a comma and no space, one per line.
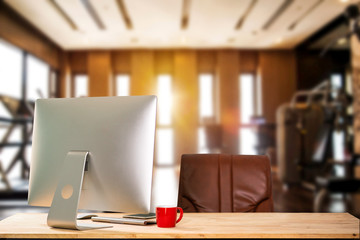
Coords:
312,70
64,75
121,61
143,81
277,70
22,34
78,61
185,104
227,80
206,61
278,74
99,73
248,61
164,62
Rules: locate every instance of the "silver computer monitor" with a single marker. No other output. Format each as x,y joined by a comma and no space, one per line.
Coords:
117,132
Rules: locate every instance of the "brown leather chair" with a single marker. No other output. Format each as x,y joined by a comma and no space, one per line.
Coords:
225,183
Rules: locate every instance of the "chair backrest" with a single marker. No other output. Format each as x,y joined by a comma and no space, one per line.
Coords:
225,183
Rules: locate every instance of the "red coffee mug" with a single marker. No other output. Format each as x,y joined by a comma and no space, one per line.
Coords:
166,216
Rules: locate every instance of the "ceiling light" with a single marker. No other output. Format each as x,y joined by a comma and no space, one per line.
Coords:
305,14
185,14
93,14
62,13
281,9
245,15
344,1
342,41
124,14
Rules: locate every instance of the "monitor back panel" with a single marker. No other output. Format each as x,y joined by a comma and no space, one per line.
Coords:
118,132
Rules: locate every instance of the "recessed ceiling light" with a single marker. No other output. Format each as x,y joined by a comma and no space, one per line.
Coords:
344,1
341,41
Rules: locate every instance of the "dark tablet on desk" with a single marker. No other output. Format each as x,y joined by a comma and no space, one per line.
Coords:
141,216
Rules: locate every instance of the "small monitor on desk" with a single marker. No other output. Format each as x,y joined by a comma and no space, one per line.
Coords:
92,153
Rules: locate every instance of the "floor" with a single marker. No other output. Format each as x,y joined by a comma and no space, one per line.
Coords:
293,199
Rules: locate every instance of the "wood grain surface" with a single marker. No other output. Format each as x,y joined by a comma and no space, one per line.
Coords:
199,225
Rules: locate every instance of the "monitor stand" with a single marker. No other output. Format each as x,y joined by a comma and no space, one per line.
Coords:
64,207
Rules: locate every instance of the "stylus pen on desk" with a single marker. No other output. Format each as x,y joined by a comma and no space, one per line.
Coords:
123,220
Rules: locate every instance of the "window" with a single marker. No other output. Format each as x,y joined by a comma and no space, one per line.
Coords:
81,86
206,96
10,70
336,83
122,85
338,142
165,139
23,77
206,109
202,147
165,187
37,78
247,141
247,104
258,88
164,144
8,154
165,180
164,95
247,137
165,153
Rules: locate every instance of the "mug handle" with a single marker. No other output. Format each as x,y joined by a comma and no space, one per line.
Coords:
181,214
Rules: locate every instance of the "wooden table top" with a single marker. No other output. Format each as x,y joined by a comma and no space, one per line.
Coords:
199,225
